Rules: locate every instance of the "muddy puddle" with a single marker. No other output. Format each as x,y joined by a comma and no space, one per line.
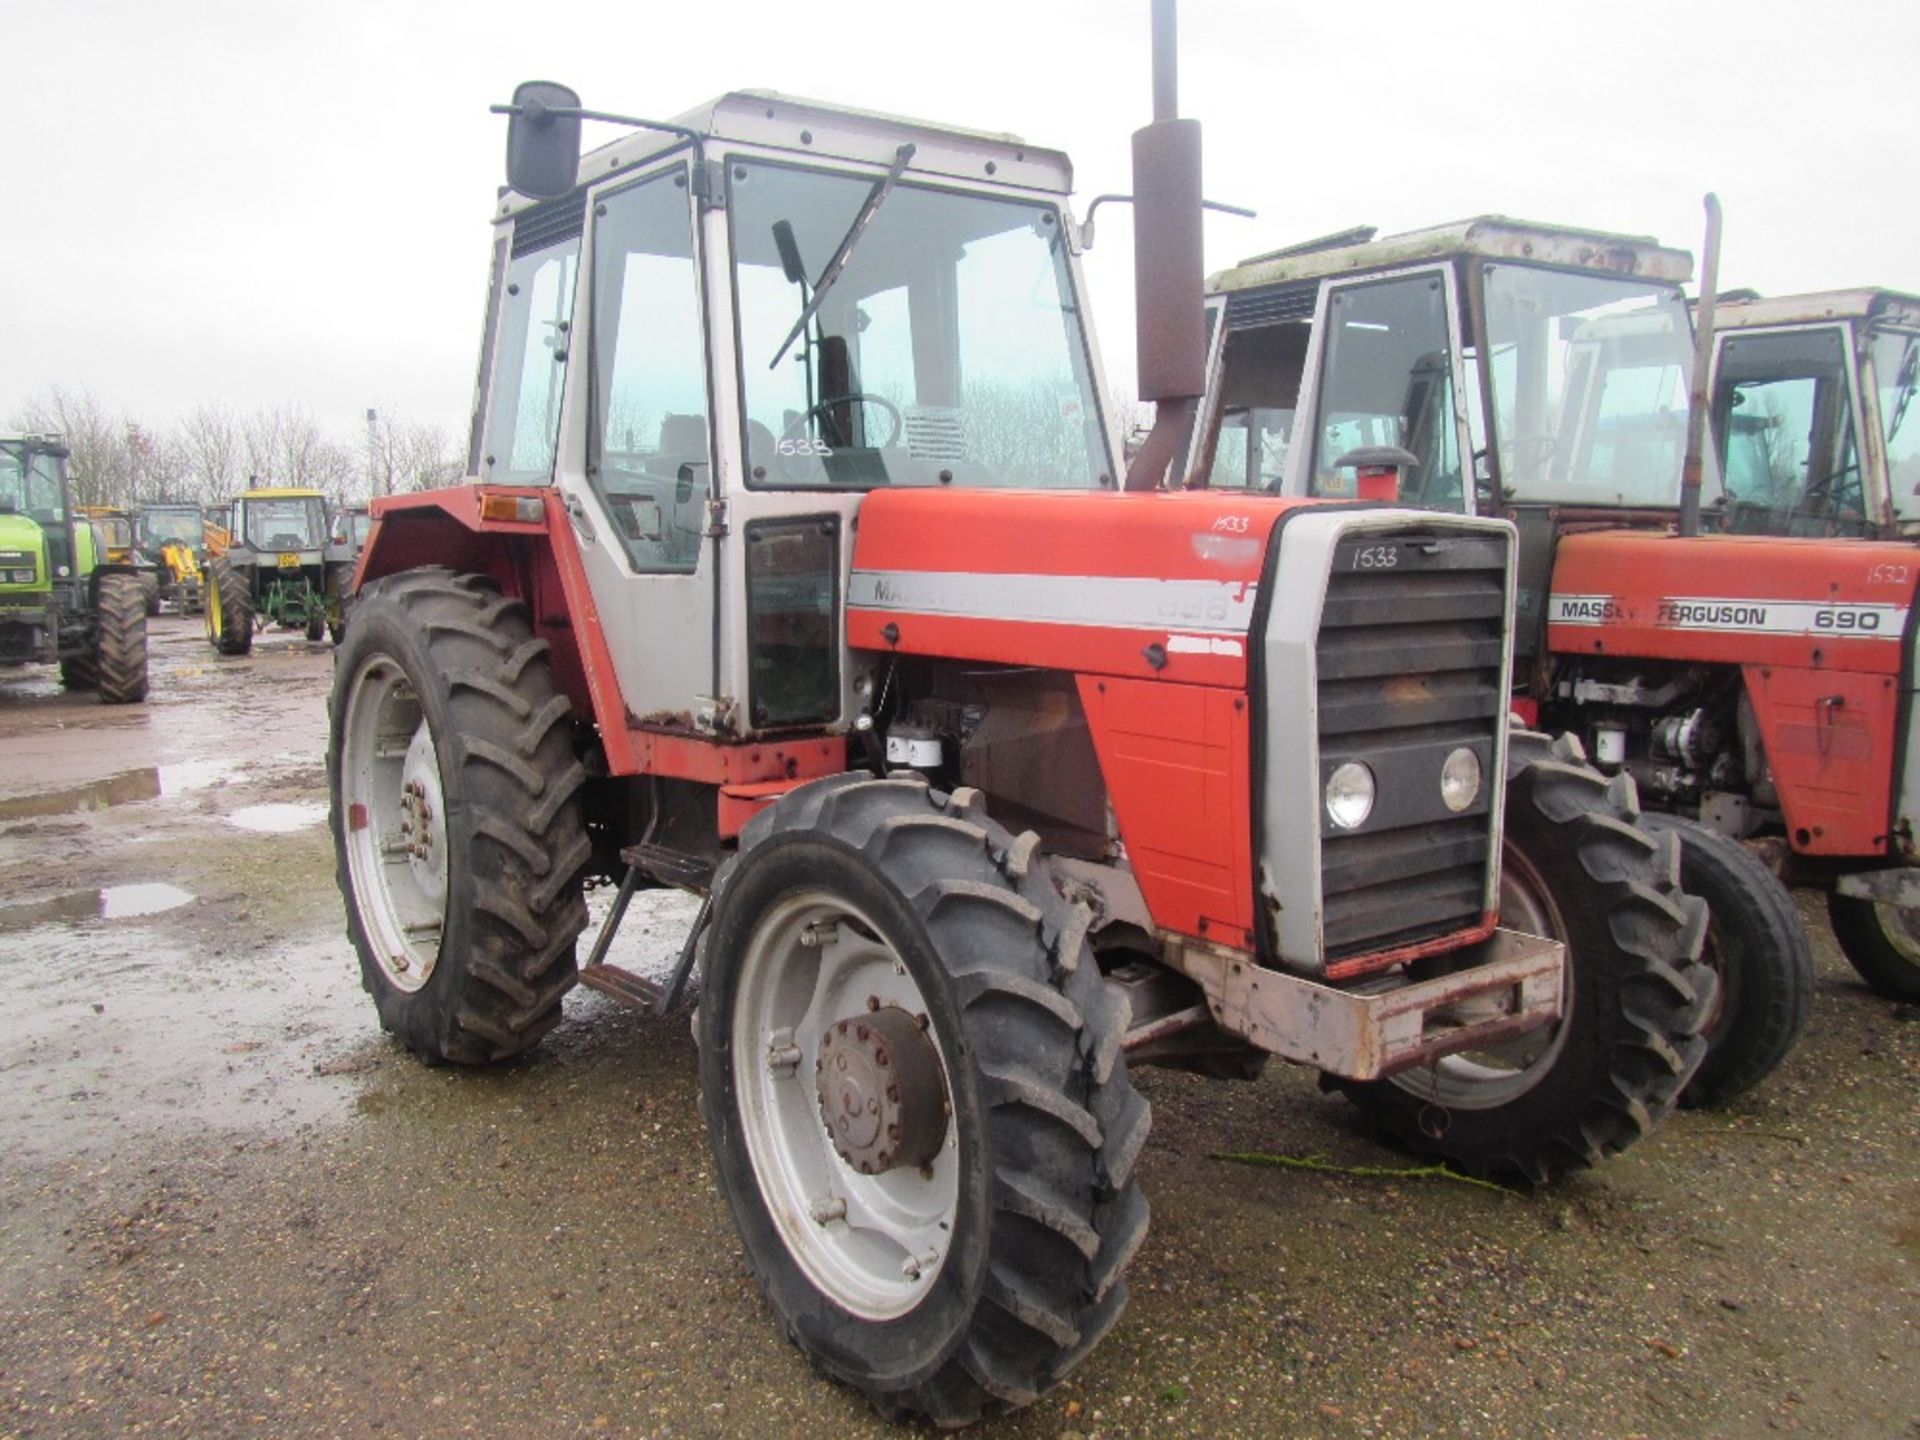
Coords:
277,819
124,787
112,902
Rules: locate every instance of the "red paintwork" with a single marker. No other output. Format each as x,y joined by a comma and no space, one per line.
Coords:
1190,535
1174,758
1639,568
1831,738
1827,705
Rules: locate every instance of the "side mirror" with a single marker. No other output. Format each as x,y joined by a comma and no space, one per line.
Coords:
543,148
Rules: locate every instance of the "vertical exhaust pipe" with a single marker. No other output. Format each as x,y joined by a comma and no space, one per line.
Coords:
1169,272
1701,395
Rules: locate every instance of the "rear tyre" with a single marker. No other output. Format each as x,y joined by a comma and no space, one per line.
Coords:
316,625
1578,869
456,816
1757,947
120,640
150,593
979,1254
229,608
1881,942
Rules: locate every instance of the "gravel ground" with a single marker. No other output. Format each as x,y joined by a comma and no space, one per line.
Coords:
229,1206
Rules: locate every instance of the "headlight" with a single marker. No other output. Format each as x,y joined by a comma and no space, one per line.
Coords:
1460,780
1350,795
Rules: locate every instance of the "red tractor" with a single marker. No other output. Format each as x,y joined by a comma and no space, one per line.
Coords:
799,574
1754,681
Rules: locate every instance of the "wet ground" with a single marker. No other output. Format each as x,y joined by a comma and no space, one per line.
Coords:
229,1206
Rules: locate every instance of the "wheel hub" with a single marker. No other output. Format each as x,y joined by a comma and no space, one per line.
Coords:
882,1093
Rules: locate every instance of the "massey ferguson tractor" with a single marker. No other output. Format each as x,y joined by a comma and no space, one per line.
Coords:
1754,686
1813,413
799,573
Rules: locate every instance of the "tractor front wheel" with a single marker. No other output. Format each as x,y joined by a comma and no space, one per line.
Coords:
229,608
120,640
456,814
1881,942
1758,947
911,1074
1635,996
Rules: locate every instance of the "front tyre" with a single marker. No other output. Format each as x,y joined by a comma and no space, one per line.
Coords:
1881,942
229,608
1757,947
1578,869
456,816
911,1074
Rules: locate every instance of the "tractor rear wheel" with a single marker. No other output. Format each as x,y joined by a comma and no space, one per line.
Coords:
1758,947
1577,869
120,640
150,593
456,815
911,1074
1881,942
229,608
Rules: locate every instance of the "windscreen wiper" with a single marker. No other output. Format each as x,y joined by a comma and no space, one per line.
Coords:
844,253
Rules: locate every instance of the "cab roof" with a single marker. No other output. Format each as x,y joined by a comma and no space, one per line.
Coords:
1753,312
1494,237
283,492
818,130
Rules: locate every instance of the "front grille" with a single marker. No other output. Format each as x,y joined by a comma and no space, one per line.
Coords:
1409,664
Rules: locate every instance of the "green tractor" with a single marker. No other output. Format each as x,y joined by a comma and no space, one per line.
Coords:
61,600
278,568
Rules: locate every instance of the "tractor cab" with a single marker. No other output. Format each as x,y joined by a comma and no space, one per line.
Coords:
1813,413
42,548
1516,369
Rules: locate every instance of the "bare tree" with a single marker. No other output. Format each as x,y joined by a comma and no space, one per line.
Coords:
213,453
98,466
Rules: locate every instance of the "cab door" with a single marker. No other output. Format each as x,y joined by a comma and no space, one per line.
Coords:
1384,369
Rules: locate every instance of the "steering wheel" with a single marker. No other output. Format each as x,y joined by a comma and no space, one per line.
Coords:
785,456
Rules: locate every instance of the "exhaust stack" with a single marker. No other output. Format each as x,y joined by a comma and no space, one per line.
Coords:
1169,273
1701,395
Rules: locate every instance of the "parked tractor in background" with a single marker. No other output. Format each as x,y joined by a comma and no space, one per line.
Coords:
61,601
276,568
1813,413
999,773
172,538
113,525
1753,686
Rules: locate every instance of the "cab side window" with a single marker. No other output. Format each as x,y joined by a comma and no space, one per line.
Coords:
650,460
530,349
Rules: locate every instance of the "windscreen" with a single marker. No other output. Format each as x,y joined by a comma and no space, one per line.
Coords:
949,350
1590,375
1783,418
30,484
157,527
1896,372
286,524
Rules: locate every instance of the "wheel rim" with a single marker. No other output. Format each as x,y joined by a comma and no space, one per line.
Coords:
394,823
1497,1075
213,612
1901,926
817,967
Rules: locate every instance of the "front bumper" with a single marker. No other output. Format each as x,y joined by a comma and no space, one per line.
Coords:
1510,983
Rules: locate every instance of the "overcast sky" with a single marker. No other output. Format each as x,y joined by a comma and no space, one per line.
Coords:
261,203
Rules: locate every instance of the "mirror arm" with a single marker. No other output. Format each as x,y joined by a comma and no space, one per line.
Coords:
705,186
